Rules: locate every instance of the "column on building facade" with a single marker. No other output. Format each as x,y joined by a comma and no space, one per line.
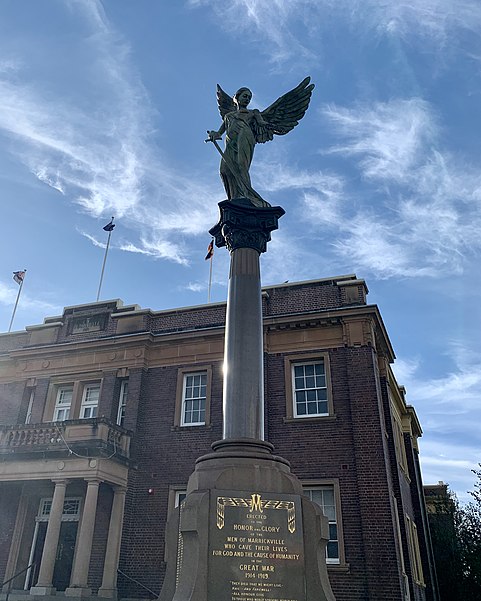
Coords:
109,580
80,570
44,584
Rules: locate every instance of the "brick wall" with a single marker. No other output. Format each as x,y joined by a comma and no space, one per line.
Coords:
353,448
11,399
165,456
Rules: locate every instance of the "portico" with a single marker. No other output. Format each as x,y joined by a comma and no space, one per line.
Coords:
66,504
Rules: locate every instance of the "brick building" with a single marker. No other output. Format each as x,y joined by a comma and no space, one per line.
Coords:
104,410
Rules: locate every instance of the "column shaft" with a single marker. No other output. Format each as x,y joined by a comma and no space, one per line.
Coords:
47,563
80,568
109,580
243,356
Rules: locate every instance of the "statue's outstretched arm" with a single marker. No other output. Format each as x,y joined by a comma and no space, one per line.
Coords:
216,134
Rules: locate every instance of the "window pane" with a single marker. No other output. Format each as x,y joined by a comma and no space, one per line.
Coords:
301,396
194,397
310,382
319,368
65,396
92,394
310,391
324,497
333,531
90,399
332,550
124,389
328,495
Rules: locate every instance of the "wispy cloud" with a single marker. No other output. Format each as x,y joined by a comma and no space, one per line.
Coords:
432,197
104,160
94,240
37,307
272,24
268,22
153,247
388,139
195,287
448,410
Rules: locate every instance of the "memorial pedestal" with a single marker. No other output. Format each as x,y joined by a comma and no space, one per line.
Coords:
245,532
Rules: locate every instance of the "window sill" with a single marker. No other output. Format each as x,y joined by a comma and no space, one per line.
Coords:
336,567
189,428
314,418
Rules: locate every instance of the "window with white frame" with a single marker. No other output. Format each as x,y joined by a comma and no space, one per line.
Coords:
124,390
324,496
309,389
194,399
399,444
71,509
63,402
28,417
413,540
179,497
90,401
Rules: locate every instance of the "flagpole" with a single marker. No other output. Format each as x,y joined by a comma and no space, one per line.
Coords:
16,302
103,264
210,279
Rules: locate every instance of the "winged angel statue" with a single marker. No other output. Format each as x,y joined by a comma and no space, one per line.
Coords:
245,127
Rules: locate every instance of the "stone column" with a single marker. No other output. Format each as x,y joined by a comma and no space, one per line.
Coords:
80,570
44,584
243,355
245,230
109,580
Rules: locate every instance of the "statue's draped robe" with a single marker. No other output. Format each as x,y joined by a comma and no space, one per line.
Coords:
239,149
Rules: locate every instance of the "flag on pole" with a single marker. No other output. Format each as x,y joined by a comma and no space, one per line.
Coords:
210,250
110,226
19,276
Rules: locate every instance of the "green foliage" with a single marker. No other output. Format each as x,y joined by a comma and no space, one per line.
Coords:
456,538
468,526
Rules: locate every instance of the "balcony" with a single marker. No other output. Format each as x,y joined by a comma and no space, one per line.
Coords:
96,437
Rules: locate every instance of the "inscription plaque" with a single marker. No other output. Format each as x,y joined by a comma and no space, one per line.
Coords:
88,323
256,547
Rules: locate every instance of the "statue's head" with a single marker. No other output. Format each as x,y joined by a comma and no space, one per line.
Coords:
242,97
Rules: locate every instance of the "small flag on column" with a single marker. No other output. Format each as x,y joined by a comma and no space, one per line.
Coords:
110,226
210,250
19,276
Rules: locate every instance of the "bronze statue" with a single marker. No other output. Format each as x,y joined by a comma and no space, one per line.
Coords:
245,127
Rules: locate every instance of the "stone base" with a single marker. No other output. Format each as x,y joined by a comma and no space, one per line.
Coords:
78,591
107,593
43,591
246,530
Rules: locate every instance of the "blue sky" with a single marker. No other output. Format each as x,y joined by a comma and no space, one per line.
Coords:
103,111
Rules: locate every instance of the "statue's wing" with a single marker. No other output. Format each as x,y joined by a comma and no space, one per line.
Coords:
286,112
224,102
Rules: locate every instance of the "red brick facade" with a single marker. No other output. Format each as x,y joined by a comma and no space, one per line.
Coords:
352,449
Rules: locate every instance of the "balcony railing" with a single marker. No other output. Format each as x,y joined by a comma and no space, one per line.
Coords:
97,436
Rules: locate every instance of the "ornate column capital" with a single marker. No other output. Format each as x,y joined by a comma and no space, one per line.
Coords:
243,225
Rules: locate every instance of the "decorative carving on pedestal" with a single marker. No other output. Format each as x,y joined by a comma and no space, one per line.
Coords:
243,225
